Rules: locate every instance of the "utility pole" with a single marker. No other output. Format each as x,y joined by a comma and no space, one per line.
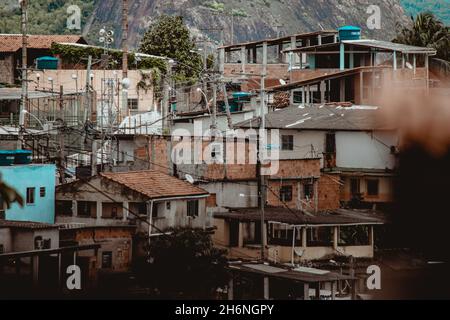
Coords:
261,160
24,97
125,38
61,138
214,104
125,53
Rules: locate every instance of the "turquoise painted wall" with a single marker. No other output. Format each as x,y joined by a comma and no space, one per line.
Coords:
21,177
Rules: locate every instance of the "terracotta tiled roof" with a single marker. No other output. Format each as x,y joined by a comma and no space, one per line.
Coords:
26,225
154,184
13,42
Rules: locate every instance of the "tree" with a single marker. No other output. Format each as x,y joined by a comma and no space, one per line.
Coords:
427,31
185,264
169,37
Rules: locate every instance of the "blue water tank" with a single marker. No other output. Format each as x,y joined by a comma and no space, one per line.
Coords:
23,157
349,33
47,63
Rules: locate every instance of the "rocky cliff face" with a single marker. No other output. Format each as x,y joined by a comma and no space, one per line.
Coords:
252,20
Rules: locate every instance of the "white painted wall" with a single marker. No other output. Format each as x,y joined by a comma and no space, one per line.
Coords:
229,194
365,150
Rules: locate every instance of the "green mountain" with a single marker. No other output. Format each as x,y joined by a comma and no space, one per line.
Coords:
441,8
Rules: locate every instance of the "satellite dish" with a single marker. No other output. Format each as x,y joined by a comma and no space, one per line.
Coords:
126,83
282,82
409,66
189,179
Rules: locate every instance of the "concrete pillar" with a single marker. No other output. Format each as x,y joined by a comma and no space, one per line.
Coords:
304,238
361,87
243,59
371,236
74,208
99,210
266,288
319,39
291,97
126,210
335,38
342,90
241,235
312,61
308,98
231,288
264,59
351,60
323,88
316,196
306,291
221,60
35,270
342,56
333,290
394,60
335,237
303,95
403,61
427,77
414,64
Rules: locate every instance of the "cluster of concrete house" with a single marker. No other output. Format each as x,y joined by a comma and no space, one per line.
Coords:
336,164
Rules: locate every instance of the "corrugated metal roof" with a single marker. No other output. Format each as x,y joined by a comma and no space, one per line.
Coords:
369,43
26,225
280,39
155,184
322,117
297,217
392,46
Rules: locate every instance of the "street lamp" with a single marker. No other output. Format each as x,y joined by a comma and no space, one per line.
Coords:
38,77
50,79
24,112
75,77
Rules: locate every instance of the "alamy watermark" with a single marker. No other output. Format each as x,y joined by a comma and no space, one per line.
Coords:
74,18
374,19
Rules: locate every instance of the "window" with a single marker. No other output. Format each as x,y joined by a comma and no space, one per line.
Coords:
30,195
63,207
87,209
133,104
330,143
192,208
42,192
372,187
168,205
155,210
287,142
286,193
308,191
298,96
106,260
354,187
